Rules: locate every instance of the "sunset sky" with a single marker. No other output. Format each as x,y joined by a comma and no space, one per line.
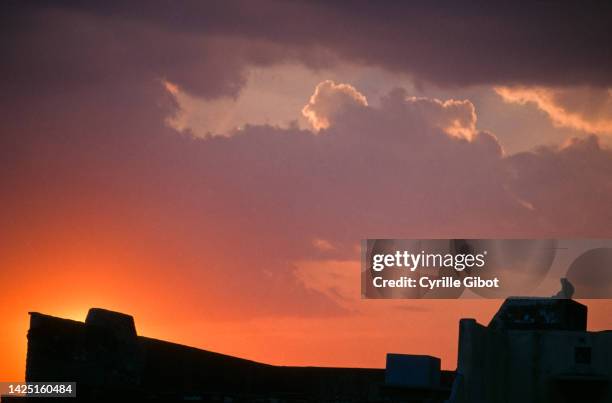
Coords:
210,167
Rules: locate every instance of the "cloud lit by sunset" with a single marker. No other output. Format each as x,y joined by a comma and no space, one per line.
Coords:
585,109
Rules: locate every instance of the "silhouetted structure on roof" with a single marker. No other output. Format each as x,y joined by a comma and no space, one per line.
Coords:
105,357
540,314
534,350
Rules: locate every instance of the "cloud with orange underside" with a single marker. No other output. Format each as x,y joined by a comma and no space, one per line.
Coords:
585,109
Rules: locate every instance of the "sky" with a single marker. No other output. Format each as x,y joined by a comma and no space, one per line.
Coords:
210,167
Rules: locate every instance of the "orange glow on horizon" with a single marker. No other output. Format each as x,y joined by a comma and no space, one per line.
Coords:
66,282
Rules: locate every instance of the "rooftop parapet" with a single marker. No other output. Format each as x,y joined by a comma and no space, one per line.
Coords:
120,324
519,313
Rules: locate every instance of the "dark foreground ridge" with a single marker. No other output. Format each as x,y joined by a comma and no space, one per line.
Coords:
106,358
534,350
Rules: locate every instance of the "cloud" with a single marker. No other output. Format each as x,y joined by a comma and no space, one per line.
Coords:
72,50
582,108
205,48
457,118
329,100
323,245
571,182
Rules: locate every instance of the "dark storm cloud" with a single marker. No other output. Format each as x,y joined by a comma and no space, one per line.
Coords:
56,50
453,43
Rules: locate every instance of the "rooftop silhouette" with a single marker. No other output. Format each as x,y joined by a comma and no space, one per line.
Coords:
533,350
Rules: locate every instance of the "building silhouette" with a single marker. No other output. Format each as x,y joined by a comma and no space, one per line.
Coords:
106,357
533,350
